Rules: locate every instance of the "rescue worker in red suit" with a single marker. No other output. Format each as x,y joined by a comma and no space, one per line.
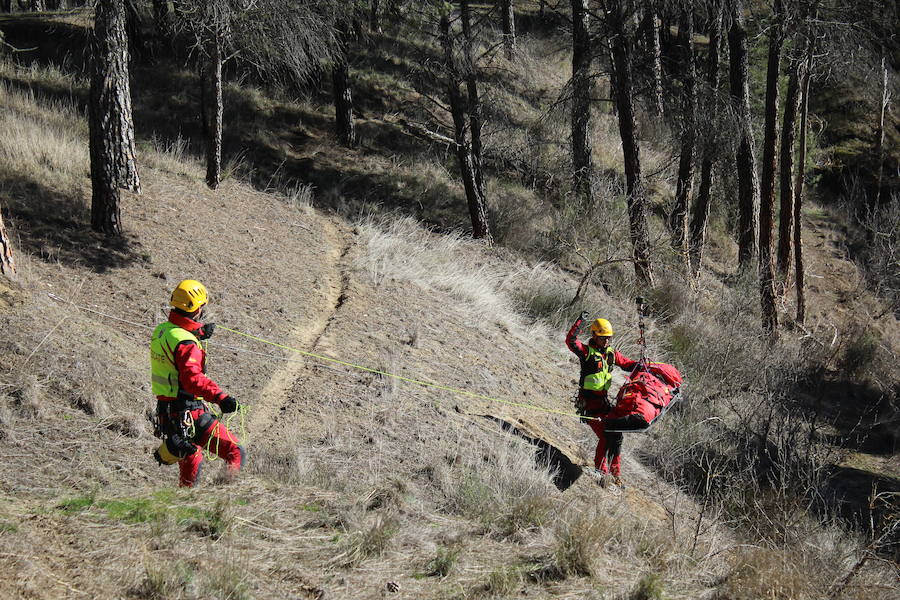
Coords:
597,359
180,384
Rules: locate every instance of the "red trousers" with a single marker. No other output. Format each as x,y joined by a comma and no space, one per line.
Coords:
608,455
220,442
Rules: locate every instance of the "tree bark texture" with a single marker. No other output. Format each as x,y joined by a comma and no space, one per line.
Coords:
508,23
112,154
879,131
473,99
786,222
343,102
637,199
582,160
6,6
748,186
475,200
799,282
214,108
652,29
7,265
374,16
678,218
700,210
767,198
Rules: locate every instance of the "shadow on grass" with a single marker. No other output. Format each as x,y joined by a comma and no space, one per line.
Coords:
855,408
56,227
565,472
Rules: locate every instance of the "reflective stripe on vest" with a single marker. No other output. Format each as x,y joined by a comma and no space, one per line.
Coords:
601,378
163,373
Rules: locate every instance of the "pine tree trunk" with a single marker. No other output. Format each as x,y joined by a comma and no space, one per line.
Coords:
7,265
700,211
678,218
6,6
767,199
748,186
474,101
374,16
214,109
113,165
799,282
656,105
786,175
508,18
582,161
879,131
475,200
343,102
637,200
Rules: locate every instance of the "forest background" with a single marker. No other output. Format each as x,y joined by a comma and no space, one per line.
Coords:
435,190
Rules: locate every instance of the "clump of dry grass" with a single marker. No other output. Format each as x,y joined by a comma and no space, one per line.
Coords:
579,540
366,541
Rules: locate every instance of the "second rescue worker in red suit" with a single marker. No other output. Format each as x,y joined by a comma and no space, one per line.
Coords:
597,360
180,384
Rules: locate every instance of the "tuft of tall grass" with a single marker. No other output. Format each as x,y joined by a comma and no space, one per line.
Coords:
578,542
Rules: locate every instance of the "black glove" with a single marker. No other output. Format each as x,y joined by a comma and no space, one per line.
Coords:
228,404
205,332
584,315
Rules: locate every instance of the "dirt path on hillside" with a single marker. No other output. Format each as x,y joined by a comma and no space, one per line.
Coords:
326,299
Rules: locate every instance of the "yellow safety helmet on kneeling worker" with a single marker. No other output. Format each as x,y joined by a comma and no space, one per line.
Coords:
189,296
601,328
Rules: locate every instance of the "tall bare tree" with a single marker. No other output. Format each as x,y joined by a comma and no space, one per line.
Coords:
582,161
508,24
340,79
113,165
879,130
282,40
473,98
620,43
799,283
472,182
678,218
767,197
748,186
651,28
711,142
786,172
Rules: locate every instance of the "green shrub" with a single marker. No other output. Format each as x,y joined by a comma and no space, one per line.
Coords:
860,351
444,560
650,587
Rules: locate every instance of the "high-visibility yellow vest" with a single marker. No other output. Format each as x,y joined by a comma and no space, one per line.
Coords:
597,367
163,373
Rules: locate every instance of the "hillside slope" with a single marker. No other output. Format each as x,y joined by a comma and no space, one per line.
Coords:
358,484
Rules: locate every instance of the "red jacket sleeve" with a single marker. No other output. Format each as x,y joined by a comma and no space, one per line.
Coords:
189,362
573,343
624,362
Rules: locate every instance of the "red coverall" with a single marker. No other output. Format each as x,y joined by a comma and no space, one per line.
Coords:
607,456
190,360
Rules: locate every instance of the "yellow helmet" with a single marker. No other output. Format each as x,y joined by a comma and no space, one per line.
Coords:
189,296
602,328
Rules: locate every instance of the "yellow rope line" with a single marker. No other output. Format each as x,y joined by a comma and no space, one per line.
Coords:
407,379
